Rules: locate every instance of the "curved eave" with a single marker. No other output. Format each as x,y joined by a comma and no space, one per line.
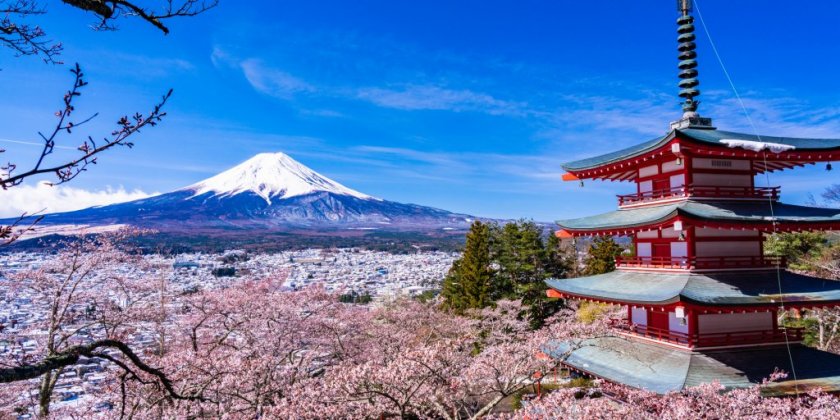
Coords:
623,287
745,289
663,369
631,152
727,215
620,165
786,303
616,301
618,220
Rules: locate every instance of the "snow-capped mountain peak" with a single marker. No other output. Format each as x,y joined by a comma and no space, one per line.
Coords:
271,176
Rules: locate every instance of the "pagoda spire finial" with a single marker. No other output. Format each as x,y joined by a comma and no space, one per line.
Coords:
688,63
688,69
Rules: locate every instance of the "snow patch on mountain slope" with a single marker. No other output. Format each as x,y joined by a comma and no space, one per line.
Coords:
271,176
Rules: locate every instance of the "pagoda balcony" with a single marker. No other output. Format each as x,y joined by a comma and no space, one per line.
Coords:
778,335
710,192
701,263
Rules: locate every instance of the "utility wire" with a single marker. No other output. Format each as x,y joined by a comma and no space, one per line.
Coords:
766,175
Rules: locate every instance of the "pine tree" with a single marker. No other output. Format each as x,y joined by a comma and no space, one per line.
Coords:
469,281
453,290
560,259
520,254
601,256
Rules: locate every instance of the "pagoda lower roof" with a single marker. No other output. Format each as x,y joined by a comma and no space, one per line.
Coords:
663,369
747,212
741,288
702,136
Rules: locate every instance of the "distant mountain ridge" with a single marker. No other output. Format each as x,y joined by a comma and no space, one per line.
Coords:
270,191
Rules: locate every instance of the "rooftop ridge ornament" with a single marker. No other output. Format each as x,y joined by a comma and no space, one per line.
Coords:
688,70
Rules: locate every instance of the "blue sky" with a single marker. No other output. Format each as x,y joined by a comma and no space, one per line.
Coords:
470,106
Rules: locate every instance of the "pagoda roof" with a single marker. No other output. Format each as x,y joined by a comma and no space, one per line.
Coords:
703,136
760,212
663,369
742,288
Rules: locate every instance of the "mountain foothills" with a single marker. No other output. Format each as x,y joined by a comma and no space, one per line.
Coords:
273,194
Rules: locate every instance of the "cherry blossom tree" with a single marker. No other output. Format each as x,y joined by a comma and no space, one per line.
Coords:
250,349
86,306
422,362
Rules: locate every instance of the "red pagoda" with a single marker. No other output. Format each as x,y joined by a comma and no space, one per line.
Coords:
702,297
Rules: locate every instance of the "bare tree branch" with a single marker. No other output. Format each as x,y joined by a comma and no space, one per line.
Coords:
25,39
67,170
70,357
22,38
109,10
18,228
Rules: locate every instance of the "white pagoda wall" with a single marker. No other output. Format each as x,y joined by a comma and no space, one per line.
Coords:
648,171
679,249
677,180
724,323
728,249
722,180
638,316
721,164
729,233
643,249
676,324
671,166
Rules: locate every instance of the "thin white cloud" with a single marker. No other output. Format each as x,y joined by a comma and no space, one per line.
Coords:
137,65
276,82
271,81
411,154
221,58
51,199
429,97
33,143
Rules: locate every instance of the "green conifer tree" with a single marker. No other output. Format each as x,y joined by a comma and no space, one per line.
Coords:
560,258
601,256
469,281
520,254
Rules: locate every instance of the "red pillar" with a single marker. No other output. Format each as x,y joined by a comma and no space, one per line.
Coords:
689,179
689,239
692,326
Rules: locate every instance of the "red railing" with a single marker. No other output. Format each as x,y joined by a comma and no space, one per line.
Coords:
660,334
778,335
759,193
701,263
747,337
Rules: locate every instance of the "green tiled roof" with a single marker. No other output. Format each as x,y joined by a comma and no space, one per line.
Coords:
617,155
733,288
703,136
715,136
663,369
740,211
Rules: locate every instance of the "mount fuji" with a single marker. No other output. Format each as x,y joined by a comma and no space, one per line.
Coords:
271,192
